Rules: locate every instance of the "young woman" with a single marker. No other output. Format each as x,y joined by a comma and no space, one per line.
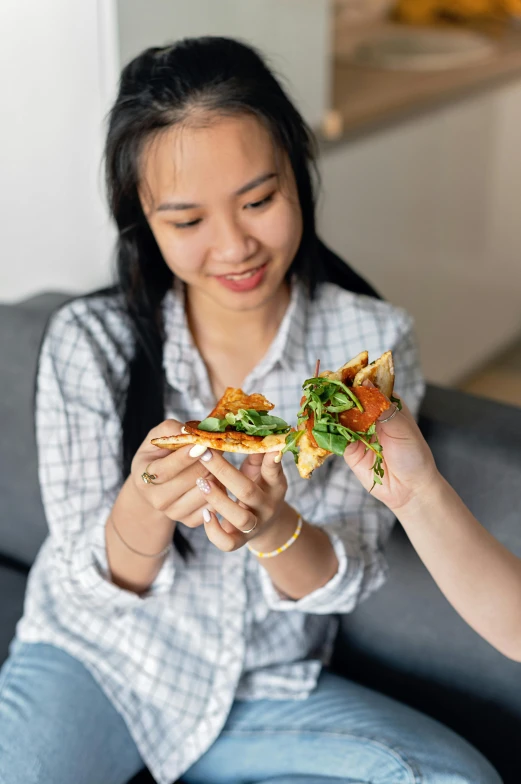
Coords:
202,660
479,577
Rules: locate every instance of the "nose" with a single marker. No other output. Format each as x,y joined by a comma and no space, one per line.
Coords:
231,243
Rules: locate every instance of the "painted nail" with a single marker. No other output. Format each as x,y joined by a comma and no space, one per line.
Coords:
207,456
206,515
277,458
203,485
184,430
197,450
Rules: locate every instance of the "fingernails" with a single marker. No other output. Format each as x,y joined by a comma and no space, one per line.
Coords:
350,448
207,515
197,450
203,485
277,458
184,430
207,456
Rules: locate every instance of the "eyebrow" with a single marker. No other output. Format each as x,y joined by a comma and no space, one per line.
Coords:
169,205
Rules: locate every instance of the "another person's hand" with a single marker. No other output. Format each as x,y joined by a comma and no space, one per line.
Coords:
259,487
408,462
173,490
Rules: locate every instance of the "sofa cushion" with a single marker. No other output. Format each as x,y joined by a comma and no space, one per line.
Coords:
12,589
406,639
22,520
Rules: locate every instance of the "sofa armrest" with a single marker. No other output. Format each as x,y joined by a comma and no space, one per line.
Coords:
22,519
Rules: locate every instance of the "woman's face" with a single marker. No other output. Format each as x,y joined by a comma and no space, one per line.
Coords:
224,213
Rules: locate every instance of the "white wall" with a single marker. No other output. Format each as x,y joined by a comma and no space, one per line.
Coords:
294,34
54,228
429,212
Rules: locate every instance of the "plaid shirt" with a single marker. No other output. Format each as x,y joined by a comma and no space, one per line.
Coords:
213,629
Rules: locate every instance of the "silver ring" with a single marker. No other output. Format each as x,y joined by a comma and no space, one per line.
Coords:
390,417
250,529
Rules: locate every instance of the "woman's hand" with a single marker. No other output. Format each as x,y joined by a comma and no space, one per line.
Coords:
408,462
174,492
259,487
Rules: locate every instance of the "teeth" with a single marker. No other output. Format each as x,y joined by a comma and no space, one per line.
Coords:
243,276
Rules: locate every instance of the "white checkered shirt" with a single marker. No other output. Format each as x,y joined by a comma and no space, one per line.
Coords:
213,629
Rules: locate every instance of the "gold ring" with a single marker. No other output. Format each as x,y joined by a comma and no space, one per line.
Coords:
390,417
250,529
147,478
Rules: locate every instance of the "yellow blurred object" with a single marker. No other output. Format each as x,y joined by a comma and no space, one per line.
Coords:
512,7
428,11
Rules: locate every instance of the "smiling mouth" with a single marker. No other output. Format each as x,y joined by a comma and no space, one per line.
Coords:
243,275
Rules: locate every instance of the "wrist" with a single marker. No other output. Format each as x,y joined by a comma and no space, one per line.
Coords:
280,529
425,501
134,511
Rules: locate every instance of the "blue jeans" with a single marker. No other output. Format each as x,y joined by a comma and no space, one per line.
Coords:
57,727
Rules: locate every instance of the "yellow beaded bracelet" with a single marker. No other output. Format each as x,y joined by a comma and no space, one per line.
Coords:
281,549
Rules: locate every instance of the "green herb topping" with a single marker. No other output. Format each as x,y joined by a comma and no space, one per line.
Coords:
326,398
254,423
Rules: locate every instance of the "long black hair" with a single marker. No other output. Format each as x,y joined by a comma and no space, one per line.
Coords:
158,89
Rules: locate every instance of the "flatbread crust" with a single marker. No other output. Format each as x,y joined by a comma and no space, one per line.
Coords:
353,373
234,399
380,372
231,440
230,443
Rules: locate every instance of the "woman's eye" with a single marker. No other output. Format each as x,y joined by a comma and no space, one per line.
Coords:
187,224
256,204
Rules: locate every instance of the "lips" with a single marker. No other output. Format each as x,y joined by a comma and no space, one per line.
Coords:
243,281
241,275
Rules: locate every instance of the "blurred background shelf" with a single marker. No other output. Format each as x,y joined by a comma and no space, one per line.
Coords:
421,186
368,99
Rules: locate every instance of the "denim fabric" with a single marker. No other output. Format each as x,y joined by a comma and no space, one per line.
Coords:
58,727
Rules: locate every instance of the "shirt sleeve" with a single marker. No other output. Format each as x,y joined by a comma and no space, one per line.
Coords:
357,524
78,434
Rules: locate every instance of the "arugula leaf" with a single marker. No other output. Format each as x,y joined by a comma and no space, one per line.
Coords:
213,425
333,442
325,386
325,398
254,423
339,402
292,440
397,402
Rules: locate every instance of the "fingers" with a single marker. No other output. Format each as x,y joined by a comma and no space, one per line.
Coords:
359,459
242,487
166,465
240,516
251,467
272,471
187,508
170,427
266,466
406,411
225,540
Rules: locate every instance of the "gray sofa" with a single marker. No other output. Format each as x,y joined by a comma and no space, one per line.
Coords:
405,640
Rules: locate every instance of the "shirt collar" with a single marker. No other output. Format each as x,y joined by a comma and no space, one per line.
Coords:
288,347
184,366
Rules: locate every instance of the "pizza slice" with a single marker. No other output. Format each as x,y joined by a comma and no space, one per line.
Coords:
238,423
336,409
